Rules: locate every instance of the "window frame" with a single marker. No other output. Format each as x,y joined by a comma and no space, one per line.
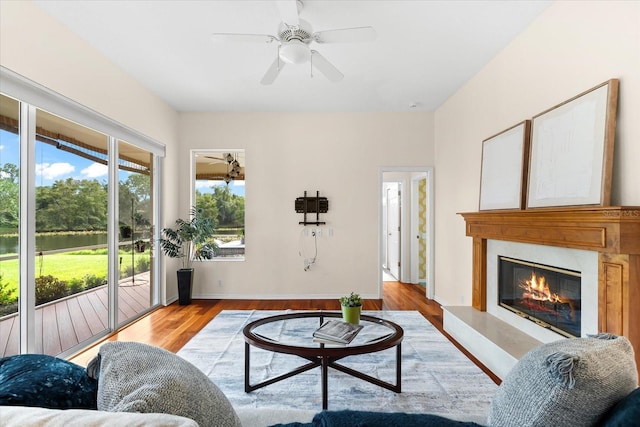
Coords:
193,169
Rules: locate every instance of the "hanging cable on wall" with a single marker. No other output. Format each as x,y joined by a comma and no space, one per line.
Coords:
308,262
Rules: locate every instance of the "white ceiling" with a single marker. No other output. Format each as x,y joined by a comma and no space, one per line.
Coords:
423,53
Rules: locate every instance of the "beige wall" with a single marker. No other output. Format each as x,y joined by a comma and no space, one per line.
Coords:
39,48
570,48
340,155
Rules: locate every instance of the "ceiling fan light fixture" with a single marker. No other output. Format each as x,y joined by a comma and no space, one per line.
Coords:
295,52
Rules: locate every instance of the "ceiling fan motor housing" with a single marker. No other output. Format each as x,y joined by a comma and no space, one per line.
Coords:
302,32
295,40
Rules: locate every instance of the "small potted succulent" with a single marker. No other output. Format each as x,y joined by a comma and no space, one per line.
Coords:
351,308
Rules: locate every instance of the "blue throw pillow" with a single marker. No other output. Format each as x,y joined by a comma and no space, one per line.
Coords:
349,418
625,413
45,381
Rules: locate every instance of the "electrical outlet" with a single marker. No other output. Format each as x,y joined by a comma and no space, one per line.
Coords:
319,232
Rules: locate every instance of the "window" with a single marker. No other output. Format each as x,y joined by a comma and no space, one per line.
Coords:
219,191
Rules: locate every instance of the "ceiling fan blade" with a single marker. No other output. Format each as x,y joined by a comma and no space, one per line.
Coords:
321,64
273,71
215,158
242,38
346,35
289,12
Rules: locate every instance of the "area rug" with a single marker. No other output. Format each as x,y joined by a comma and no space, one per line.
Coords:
436,377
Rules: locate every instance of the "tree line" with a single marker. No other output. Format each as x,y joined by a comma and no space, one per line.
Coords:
226,209
72,205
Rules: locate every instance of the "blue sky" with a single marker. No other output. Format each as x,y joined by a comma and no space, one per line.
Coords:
235,187
53,164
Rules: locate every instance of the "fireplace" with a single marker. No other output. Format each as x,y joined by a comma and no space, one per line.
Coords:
604,244
546,295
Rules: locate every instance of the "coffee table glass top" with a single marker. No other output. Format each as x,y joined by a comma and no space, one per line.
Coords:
298,331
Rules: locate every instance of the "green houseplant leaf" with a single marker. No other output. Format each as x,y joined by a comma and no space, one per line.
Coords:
351,300
190,239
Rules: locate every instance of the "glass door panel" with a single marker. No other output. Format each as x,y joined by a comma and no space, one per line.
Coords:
135,167
9,226
71,261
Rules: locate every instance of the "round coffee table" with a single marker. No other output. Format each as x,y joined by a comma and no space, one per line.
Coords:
291,333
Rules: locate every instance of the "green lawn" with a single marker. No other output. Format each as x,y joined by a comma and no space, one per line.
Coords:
66,266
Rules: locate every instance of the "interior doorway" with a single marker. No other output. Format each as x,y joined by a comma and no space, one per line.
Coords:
406,226
391,198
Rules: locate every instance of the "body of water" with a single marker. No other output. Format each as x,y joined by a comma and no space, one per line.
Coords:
50,242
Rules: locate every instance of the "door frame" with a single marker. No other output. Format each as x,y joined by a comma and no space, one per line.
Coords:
430,238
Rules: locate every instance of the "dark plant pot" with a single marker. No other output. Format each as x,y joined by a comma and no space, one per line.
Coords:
140,246
125,231
185,284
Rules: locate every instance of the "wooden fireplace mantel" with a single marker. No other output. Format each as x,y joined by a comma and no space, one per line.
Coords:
612,231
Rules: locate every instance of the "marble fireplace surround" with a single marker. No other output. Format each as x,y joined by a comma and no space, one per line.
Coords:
602,242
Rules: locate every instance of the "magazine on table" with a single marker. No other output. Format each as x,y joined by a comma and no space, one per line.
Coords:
336,332
329,342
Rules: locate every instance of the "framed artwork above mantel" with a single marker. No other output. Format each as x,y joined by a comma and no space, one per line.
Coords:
503,175
571,156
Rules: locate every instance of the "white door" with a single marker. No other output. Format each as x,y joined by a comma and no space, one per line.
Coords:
393,228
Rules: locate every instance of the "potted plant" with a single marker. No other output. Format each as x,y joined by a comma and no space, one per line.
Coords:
351,308
140,245
125,231
188,241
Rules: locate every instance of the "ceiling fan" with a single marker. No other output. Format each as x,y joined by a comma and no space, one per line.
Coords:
228,158
231,161
294,39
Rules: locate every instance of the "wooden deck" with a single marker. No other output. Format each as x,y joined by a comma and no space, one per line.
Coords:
63,323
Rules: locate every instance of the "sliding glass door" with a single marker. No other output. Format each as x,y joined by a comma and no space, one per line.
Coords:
78,219
9,225
135,221
71,258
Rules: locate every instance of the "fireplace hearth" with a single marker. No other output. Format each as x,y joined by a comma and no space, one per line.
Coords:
548,296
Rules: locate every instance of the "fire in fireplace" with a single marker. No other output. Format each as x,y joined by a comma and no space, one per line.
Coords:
546,295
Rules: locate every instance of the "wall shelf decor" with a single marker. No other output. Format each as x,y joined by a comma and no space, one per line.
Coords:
309,205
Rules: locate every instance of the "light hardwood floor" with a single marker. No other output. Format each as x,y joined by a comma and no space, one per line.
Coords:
171,327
